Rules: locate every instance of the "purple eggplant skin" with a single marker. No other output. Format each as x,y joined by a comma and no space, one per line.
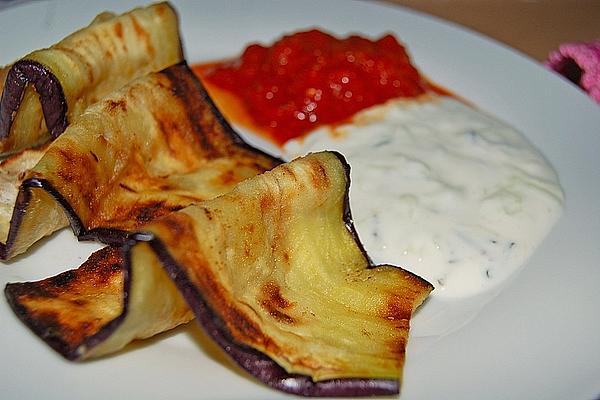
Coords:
22,204
256,363
186,86
70,344
49,89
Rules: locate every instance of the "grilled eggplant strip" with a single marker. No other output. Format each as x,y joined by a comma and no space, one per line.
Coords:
65,310
274,273
258,364
83,313
275,276
156,146
153,147
47,88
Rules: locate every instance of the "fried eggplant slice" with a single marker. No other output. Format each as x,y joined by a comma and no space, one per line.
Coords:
155,146
275,273
83,313
46,89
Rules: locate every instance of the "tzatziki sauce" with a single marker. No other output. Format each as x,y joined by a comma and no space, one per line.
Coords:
446,192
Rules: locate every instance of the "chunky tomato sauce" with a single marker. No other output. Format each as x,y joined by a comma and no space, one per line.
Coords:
312,78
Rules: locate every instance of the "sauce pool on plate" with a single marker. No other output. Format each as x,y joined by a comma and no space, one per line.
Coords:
446,192
311,78
437,187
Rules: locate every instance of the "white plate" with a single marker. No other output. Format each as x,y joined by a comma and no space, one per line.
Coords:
540,339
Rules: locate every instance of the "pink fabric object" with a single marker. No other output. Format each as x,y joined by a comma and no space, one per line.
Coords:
580,63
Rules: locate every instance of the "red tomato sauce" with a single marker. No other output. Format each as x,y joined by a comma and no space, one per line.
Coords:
312,78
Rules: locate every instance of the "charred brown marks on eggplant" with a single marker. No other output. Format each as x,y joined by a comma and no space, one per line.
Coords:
139,30
184,88
73,167
55,327
397,347
177,226
176,135
80,58
130,216
242,328
227,178
142,35
127,188
48,88
180,130
397,312
207,213
79,302
162,9
119,30
216,137
267,202
318,174
397,309
167,186
197,268
112,106
100,268
229,328
63,279
289,173
249,240
273,302
52,307
149,211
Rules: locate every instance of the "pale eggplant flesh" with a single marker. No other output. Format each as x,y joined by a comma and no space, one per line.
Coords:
46,89
51,97
151,143
153,147
99,307
156,146
273,271
159,145
276,274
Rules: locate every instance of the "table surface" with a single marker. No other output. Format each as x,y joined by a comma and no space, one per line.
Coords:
534,27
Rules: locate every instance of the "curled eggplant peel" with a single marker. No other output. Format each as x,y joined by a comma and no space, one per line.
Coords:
273,271
46,89
99,307
49,89
153,147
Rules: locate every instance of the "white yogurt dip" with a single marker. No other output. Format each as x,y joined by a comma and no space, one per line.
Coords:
446,192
